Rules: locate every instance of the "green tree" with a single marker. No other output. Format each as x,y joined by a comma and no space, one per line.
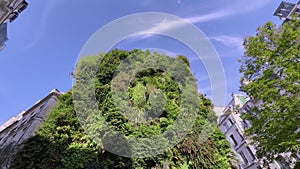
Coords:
63,143
271,77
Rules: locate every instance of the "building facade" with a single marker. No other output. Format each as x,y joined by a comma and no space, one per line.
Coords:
9,11
21,127
233,126
3,35
286,10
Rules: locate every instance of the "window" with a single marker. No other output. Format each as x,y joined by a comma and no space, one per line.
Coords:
233,140
247,109
255,147
226,126
245,161
14,135
13,130
240,134
32,114
42,106
24,129
23,124
246,124
230,122
282,162
4,141
288,5
31,119
250,153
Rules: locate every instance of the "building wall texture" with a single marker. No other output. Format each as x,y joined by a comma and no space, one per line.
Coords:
233,126
287,10
19,128
9,11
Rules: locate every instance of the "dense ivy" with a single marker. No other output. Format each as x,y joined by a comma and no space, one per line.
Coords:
63,143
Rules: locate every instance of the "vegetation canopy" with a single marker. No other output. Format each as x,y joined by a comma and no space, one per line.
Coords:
271,70
155,99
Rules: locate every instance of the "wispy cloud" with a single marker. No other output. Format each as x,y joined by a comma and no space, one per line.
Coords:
49,6
166,25
209,17
230,41
233,8
247,6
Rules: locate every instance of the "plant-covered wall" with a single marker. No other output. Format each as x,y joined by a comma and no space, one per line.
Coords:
62,141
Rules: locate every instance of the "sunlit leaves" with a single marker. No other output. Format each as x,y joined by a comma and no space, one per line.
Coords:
272,68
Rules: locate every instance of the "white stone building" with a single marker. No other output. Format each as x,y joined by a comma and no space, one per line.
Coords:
233,126
21,127
9,11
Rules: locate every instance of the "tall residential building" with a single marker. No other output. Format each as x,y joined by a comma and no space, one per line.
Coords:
233,126
9,11
21,127
286,10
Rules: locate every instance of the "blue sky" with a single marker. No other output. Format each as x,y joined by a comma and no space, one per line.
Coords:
45,41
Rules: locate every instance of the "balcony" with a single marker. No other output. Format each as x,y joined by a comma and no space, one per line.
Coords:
286,10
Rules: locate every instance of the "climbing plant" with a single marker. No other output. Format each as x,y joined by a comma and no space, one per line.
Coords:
154,93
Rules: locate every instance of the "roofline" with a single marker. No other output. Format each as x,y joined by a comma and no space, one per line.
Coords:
225,115
54,92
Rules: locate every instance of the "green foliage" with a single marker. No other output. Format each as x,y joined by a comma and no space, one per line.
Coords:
139,95
271,65
154,93
58,141
184,59
6,153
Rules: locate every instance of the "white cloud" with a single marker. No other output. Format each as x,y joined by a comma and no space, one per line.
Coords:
166,25
230,41
209,17
232,8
